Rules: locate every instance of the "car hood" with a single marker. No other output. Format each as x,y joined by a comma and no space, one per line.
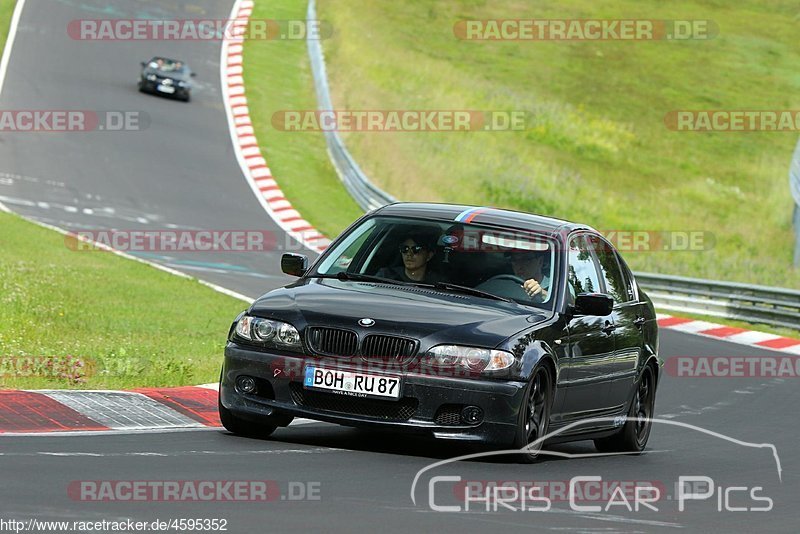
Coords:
171,75
429,315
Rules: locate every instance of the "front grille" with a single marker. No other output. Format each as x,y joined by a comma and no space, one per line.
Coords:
448,415
332,341
378,346
400,410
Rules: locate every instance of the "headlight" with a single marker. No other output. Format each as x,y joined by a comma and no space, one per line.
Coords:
268,332
470,358
151,77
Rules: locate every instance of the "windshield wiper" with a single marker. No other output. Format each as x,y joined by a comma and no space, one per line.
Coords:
468,290
357,277
442,286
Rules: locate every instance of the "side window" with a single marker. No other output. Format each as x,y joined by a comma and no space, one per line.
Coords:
626,274
581,274
609,269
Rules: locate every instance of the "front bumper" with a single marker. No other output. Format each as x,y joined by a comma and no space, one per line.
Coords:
152,87
423,398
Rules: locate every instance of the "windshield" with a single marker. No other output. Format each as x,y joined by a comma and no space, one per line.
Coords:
167,66
515,265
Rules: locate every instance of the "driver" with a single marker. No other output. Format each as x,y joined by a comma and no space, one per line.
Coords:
416,250
529,266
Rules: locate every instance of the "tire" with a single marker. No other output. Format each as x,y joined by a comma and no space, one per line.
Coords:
634,434
534,415
239,426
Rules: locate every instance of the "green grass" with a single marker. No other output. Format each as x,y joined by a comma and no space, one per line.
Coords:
133,324
6,10
278,77
597,149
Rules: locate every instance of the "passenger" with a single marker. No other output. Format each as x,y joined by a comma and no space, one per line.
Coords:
416,250
529,266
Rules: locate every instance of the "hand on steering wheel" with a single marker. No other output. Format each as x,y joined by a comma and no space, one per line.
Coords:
531,286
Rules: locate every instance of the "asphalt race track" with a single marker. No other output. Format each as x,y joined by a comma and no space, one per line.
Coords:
178,171
181,172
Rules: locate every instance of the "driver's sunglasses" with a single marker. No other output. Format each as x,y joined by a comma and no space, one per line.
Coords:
415,249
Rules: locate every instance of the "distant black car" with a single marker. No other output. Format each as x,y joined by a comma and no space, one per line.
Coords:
463,352
168,77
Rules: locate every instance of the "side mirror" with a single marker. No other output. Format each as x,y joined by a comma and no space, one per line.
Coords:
193,74
294,264
593,304
144,63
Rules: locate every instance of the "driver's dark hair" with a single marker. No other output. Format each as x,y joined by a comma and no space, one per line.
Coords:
421,235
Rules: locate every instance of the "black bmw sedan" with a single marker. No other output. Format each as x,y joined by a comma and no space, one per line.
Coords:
167,77
478,324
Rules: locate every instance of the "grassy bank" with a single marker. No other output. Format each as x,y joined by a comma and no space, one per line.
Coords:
127,323
278,77
6,10
596,148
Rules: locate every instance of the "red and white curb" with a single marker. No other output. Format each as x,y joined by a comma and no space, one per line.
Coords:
45,411
252,162
80,412
733,334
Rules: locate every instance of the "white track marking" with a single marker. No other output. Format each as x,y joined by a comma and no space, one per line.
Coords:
12,35
221,452
80,433
215,287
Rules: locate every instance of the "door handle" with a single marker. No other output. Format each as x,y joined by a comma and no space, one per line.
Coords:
639,321
608,328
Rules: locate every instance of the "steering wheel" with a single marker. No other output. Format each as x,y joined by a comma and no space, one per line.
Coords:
517,290
503,277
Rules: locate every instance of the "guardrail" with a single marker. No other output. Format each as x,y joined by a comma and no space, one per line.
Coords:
794,187
755,304
759,304
366,194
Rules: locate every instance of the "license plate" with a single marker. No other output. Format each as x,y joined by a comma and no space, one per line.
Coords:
352,384
166,89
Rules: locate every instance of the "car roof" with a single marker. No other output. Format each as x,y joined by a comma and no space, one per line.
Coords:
169,60
499,217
